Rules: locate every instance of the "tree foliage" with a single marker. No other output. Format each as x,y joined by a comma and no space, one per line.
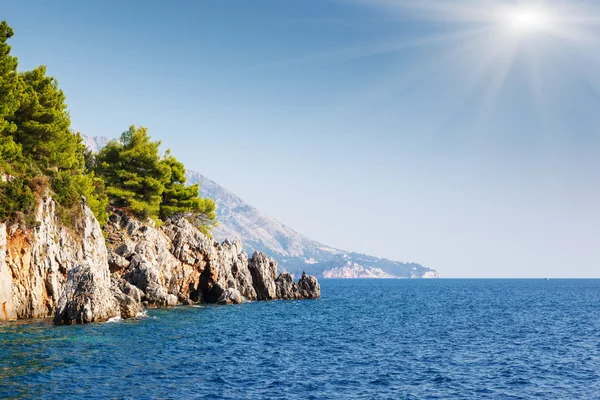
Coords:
39,154
149,186
9,98
38,151
133,173
181,199
43,124
68,189
16,199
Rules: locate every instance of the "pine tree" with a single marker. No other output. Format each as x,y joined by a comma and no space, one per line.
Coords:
9,98
43,125
133,173
41,153
180,199
205,217
49,147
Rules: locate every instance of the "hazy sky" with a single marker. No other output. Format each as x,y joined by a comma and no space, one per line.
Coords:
464,135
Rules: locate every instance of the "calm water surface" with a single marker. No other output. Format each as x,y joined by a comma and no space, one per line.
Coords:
438,339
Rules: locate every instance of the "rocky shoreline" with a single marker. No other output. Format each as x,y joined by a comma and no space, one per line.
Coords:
86,274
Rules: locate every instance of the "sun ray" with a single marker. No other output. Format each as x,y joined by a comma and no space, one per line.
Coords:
528,29
392,46
463,45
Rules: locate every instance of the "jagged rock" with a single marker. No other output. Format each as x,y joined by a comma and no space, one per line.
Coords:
309,287
53,270
39,260
264,273
131,226
128,289
230,296
128,307
219,266
177,263
87,297
7,307
286,288
126,250
152,268
148,277
117,262
182,261
128,297
226,267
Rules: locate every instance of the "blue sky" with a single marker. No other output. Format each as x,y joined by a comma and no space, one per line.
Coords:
421,131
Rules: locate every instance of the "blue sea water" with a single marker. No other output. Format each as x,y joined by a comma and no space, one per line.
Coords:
364,339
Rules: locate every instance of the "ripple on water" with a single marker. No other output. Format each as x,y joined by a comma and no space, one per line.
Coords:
458,339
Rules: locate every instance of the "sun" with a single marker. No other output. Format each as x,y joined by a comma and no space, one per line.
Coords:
489,44
528,20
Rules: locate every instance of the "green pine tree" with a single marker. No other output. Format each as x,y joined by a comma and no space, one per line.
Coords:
184,200
133,173
38,151
9,99
205,217
43,125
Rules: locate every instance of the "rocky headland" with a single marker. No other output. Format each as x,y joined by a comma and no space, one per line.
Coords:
85,274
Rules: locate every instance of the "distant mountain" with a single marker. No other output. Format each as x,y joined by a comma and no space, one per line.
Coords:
294,252
95,143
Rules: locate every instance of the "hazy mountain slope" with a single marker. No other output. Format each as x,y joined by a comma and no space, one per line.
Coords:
295,253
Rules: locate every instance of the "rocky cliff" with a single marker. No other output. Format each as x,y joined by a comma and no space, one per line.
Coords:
177,264
52,270
77,276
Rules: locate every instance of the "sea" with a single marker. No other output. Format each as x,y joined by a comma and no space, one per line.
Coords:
364,339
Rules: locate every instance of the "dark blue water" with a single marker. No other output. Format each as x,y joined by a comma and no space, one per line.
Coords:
501,339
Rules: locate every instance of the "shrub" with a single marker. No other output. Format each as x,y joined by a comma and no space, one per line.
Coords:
16,197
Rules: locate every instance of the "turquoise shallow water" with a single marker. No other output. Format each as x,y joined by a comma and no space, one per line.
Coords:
437,339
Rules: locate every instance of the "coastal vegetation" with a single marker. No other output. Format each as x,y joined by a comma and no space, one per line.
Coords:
39,153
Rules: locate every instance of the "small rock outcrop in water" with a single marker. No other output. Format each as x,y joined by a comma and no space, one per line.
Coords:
76,276
309,287
286,287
